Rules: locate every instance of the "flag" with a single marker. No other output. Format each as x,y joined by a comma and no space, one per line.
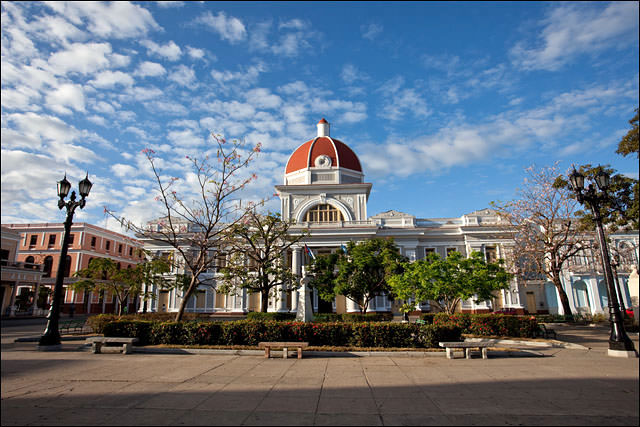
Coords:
311,255
343,247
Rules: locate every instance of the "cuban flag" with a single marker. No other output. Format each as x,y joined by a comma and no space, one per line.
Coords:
344,248
311,255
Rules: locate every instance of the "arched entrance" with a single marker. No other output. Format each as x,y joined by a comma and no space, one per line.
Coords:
581,296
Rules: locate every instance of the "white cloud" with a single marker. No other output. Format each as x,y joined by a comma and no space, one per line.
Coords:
293,24
242,78
170,50
84,58
263,98
183,75
351,74
109,79
66,95
195,53
120,19
371,31
168,4
150,69
231,28
122,170
574,29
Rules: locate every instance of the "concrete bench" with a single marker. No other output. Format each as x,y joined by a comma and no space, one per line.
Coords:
285,346
98,342
466,346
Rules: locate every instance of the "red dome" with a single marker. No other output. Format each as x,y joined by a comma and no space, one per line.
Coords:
339,153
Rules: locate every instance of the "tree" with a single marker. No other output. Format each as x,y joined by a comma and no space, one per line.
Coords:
543,222
448,281
629,143
620,210
196,224
257,252
360,274
103,275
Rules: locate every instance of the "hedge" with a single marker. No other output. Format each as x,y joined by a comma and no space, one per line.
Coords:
352,317
486,324
248,332
258,315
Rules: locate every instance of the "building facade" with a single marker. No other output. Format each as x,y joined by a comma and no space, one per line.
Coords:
324,192
20,280
40,244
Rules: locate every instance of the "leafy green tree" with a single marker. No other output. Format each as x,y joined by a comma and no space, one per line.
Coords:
629,143
360,274
620,210
448,281
258,247
102,275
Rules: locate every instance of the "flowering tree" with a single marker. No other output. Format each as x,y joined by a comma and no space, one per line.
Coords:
258,247
546,235
196,226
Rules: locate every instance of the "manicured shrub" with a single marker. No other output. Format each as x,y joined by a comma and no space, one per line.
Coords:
251,332
489,324
257,315
352,317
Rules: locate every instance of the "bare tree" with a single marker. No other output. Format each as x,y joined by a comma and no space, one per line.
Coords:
196,226
544,233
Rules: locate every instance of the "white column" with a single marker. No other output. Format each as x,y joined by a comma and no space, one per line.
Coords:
352,307
295,269
281,301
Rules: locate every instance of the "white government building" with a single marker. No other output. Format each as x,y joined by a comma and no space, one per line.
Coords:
324,192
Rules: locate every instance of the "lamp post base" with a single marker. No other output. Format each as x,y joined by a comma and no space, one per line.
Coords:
622,353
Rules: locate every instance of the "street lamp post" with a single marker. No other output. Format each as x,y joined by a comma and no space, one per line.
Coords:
620,345
50,339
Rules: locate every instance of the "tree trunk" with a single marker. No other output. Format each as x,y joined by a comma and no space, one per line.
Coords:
185,298
563,295
264,298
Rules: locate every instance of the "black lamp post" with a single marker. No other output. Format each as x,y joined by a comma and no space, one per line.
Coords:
50,339
620,344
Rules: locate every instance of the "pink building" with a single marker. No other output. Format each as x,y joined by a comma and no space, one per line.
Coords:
41,244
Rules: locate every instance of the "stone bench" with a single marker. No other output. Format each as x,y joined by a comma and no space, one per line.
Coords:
285,346
466,346
98,342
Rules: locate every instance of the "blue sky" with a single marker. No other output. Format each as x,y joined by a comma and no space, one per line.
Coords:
444,103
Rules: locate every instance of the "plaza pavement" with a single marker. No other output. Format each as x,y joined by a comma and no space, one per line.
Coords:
553,386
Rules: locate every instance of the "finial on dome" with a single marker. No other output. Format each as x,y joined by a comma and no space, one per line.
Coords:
323,128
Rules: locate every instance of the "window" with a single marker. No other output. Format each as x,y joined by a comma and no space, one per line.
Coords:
48,264
491,254
4,255
67,266
120,248
429,251
71,236
221,259
52,239
130,251
93,241
108,244
451,250
29,260
323,213
34,240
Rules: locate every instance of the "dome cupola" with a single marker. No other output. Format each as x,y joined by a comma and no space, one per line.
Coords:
323,160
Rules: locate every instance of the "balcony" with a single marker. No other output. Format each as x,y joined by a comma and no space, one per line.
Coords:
20,265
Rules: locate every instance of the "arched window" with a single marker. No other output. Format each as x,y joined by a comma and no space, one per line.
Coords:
581,294
323,213
48,265
29,260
